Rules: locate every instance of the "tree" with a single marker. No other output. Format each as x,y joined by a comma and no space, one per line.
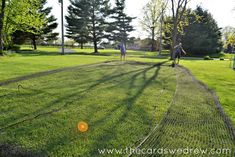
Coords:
178,9
203,30
153,19
97,12
22,16
46,33
168,28
228,37
91,25
3,5
120,27
77,27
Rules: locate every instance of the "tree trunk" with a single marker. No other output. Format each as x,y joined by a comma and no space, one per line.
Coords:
153,40
160,46
81,45
95,46
94,32
34,42
1,25
174,38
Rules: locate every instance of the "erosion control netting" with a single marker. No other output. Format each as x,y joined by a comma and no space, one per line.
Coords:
192,122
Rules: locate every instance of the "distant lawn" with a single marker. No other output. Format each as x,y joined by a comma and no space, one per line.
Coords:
11,67
28,61
219,77
45,58
133,53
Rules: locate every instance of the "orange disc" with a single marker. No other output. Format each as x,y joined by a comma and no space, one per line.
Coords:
82,126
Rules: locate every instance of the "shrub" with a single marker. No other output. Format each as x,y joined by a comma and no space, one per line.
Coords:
15,48
221,59
207,58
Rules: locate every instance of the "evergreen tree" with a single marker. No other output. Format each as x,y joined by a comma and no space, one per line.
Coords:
202,35
77,22
89,20
47,33
120,27
96,22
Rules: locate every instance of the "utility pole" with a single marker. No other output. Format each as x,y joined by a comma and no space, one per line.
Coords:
62,26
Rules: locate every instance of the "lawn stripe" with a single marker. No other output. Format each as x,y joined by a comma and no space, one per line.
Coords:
157,125
196,124
226,119
45,73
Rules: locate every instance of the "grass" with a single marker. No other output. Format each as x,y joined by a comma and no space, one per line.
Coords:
47,58
28,62
219,77
118,100
109,52
121,101
192,121
11,67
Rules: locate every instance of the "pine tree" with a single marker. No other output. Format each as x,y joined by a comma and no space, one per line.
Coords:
77,22
202,36
97,12
120,27
47,33
86,20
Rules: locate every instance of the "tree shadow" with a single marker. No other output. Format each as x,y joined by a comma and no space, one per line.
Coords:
128,105
29,53
9,150
127,102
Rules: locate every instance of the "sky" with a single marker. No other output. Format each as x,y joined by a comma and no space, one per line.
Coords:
223,11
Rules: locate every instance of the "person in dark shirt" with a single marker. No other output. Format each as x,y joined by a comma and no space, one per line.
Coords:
178,49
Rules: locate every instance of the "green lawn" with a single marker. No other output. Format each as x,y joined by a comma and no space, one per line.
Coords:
48,58
120,101
192,122
219,77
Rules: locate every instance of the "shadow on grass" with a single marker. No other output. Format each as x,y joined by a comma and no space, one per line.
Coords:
8,150
29,53
127,103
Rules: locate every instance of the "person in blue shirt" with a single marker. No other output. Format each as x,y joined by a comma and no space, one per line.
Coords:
123,50
178,49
